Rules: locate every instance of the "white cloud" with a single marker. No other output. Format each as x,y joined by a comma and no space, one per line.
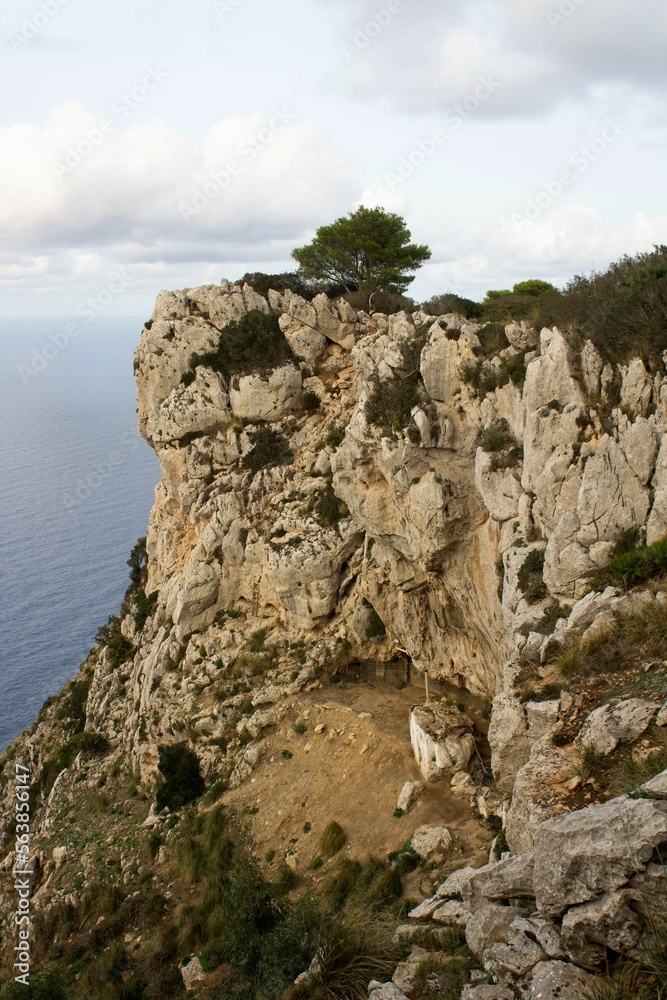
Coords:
543,52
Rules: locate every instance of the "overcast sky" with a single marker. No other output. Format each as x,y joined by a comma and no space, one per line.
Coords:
182,143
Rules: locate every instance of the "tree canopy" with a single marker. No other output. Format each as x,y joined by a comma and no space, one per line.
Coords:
369,249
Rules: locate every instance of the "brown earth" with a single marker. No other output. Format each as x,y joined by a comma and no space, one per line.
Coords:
351,771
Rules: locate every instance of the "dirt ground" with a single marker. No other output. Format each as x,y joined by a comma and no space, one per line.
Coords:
350,771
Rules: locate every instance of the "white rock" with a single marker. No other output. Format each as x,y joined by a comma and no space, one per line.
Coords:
409,794
441,739
192,974
609,725
428,840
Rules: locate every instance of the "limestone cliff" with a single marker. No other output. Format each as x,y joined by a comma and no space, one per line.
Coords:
355,489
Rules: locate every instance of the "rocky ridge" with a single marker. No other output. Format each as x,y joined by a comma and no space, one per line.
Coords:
354,540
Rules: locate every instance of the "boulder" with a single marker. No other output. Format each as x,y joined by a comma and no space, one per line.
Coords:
609,725
606,922
649,896
429,840
516,954
384,991
510,878
409,794
490,924
441,738
193,974
595,850
452,912
487,992
500,490
558,981
508,738
538,792
656,788
258,397
521,335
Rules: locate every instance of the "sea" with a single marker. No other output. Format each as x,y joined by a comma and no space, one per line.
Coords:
76,487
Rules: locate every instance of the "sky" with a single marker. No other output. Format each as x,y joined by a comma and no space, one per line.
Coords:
152,144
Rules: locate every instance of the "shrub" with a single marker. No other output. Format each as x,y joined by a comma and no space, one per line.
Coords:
328,508
72,709
310,401
335,436
530,577
547,622
497,437
332,839
439,305
146,605
89,743
183,783
257,641
269,449
623,310
187,378
390,403
385,302
632,567
253,344
49,984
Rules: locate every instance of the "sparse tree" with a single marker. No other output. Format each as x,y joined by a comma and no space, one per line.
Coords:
369,249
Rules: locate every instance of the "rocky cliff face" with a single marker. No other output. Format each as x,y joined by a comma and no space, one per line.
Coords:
386,487
431,512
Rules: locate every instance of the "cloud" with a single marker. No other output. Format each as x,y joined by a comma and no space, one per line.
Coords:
543,52
73,181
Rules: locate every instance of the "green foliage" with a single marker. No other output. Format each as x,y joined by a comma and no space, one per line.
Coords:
310,401
547,622
388,303
183,783
269,449
257,641
530,577
497,437
187,378
49,984
88,743
72,708
351,951
534,287
635,566
332,839
289,280
119,649
486,377
368,249
335,436
146,605
328,508
390,404
636,636
252,344
138,561
439,305
623,310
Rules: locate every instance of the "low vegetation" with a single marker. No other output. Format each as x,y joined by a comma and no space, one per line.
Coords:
629,568
531,577
391,403
182,780
269,449
253,344
332,839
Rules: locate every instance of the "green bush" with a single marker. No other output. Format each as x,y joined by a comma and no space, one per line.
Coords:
335,436
631,568
269,449
252,344
146,605
497,437
623,310
182,780
89,743
328,508
530,578
72,708
439,305
310,401
390,403
49,984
